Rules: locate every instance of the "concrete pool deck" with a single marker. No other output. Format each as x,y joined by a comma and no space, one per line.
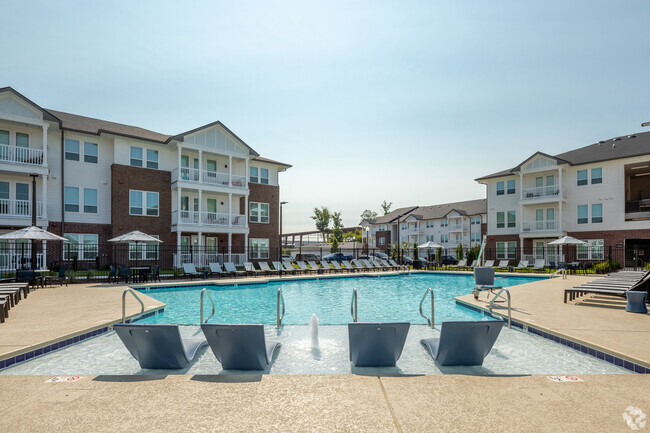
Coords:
301,403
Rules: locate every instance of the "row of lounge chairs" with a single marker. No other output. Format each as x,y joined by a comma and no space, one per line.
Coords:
540,264
10,295
229,269
244,347
634,286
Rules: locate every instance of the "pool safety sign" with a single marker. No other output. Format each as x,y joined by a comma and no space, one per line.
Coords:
63,379
565,378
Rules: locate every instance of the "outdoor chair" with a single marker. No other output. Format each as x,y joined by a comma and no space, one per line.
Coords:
155,274
124,273
503,264
376,344
484,281
232,270
463,343
249,267
4,309
348,266
489,264
523,264
27,276
264,267
326,266
314,267
395,265
12,295
215,269
158,346
112,274
288,267
302,266
609,286
461,264
277,266
540,264
60,278
190,271
240,347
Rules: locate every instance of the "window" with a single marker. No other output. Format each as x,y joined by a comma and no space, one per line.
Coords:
211,165
253,175
259,212
22,140
597,213
475,237
152,159
259,175
501,220
444,238
582,177
382,228
144,250
476,220
22,191
81,246
506,250
511,186
136,156
592,250
596,175
90,152
135,202
71,199
90,200
4,138
259,248
382,241
404,226
444,223
512,218
264,176
583,214
152,204
500,189
72,150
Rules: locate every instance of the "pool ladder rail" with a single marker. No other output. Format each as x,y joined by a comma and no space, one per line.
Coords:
354,310
432,321
137,298
506,298
279,302
205,291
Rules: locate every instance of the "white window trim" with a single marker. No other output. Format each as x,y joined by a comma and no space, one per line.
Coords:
144,207
258,220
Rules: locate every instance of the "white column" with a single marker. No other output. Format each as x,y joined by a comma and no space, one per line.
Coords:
246,252
44,197
229,170
200,206
521,185
246,173
45,126
178,168
178,207
229,246
200,246
229,209
200,169
561,192
44,264
178,246
246,210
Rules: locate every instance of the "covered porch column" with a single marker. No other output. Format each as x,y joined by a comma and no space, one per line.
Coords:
229,247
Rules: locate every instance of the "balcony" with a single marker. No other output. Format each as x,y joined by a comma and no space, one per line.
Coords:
21,155
541,226
551,191
19,208
457,227
210,219
637,210
205,177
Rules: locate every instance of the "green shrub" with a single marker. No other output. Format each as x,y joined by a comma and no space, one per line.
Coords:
472,253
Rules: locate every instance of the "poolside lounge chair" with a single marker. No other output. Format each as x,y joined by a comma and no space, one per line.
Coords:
378,265
250,269
231,269
336,266
239,347
289,267
461,264
314,267
326,266
4,309
360,265
190,271
158,346
489,264
503,264
302,266
395,265
463,343
277,266
264,267
376,344
523,264
215,269
387,265
539,264
612,289
349,266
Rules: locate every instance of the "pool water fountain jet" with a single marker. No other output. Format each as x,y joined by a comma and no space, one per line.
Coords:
313,331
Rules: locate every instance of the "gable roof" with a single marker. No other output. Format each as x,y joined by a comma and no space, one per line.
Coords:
605,150
181,136
270,161
46,114
437,211
392,216
89,125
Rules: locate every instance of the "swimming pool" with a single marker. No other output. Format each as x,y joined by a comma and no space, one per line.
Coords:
380,299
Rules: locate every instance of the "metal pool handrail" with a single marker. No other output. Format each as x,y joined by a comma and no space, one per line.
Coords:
426,292
280,300
124,303
354,310
211,301
507,298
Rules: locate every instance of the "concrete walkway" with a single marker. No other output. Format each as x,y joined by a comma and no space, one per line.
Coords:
597,321
250,403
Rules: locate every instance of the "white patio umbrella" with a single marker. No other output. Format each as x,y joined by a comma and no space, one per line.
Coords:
136,236
32,233
566,240
429,244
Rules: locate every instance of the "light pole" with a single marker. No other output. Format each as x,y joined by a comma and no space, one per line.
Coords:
282,203
367,230
398,240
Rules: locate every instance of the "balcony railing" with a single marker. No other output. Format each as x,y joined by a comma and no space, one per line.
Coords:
208,177
211,219
540,192
21,155
541,226
457,227
19,208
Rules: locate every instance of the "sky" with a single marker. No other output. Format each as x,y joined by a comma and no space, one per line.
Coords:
407,102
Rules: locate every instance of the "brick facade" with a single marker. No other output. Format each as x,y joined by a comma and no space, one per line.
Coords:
55,249
125,178
266,194
385,234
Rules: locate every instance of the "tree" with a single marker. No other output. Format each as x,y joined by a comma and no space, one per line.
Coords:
322,219
439,256
337,224
416,253
385,207
368,215
335,246
459,251
472,253
354,236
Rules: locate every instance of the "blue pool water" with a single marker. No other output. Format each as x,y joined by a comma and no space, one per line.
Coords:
380,299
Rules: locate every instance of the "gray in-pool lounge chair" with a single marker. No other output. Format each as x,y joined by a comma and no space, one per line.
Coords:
158,346
376,344
483,280
215,269
463,343
190,271
231,269
239,347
